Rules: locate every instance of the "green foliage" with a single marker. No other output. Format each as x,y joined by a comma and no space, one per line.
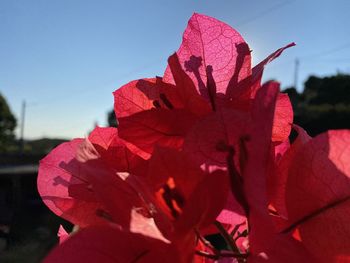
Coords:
111,119
7,126
294,96
332,90
42,146
321,117
324,104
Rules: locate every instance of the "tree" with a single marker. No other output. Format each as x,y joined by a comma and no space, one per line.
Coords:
328,90
324,103
111,119
7,125
293,94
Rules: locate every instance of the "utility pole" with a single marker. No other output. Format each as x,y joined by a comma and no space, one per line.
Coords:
22,126
296,73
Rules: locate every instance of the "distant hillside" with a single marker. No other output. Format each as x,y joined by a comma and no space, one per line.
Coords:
42,146
34,150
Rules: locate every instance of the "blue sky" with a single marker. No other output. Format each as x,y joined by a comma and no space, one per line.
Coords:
66,57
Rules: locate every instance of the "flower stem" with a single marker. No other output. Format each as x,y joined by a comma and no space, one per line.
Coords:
230,242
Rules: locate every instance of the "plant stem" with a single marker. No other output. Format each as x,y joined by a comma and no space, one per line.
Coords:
230,242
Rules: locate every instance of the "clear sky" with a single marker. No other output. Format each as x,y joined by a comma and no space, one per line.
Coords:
66,57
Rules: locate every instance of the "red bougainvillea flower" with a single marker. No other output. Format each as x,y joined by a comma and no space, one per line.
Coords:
202,87
204,149
102,184
210,73
202,104
63,181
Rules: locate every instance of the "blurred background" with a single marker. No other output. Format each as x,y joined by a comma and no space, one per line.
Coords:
60,61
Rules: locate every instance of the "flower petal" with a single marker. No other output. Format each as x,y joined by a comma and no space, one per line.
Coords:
65,189
210,42
283,118
110,245
156,127
318,195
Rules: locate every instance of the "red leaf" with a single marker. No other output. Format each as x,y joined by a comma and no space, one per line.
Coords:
145,94
169,163
187,89
154,127
104,138
258,70
122,194
280,149
278,179
65,189
62,234
222,128
205,203
283,118
114,151
145,225
117,196
207,41
232,214
80,183
110,245
265,244
208,145
130,99
242,93
318,194
280,248
259,146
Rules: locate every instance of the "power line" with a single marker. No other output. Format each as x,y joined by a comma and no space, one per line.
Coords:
330,60
265,12
296,73
319,55
123,76
23,114
327,52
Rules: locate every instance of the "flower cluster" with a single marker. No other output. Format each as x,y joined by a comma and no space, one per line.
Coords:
204,149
